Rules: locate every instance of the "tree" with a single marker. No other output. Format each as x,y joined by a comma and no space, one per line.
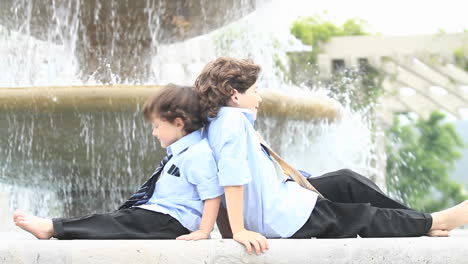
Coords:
420,157
315,31
358,87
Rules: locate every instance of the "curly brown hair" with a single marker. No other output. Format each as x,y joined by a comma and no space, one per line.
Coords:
174,101
219,78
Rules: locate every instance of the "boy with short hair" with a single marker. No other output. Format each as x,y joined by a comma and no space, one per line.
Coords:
180,200
261,202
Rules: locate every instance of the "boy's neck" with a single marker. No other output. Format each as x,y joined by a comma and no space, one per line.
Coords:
179,138
184,142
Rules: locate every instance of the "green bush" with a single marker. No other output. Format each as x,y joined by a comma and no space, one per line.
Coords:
420,157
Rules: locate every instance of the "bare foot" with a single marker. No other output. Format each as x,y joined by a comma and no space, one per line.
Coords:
39,227
438,233
450,218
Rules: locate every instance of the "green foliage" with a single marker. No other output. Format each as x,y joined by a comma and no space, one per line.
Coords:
461,60
315,31
360,89
301,71
353,27
420,157
372,84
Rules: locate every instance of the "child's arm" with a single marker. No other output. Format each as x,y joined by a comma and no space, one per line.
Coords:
230,141
234,204
210,212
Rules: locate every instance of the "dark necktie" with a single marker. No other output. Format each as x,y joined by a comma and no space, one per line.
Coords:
144,193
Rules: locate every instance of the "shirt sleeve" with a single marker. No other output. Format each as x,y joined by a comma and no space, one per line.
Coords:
201,172
233,168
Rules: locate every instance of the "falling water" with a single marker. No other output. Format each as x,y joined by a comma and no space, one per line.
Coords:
58,160
318,146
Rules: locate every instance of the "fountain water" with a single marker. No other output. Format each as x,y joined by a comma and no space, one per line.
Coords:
62,156
114,41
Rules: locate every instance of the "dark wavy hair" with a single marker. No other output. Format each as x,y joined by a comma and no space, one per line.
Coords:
220,78
174,101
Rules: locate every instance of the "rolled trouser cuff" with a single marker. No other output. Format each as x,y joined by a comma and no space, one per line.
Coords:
57,224
428,222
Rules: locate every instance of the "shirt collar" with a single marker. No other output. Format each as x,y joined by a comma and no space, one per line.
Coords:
247,112
184,143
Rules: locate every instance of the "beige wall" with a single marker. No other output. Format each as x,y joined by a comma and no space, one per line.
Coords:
422,63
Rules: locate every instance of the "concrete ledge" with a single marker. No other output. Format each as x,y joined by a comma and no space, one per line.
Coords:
360,250
298,105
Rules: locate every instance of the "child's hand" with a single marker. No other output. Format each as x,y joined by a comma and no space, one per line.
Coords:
195,235
249,239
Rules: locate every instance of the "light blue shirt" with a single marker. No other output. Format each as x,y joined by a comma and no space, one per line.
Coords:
272,206
182,196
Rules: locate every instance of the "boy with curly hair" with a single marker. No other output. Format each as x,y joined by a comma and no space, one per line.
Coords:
260,200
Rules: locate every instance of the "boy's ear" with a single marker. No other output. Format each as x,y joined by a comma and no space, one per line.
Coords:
234,99
179,122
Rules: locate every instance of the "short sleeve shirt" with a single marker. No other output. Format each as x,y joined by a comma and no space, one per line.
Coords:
186,181
272,206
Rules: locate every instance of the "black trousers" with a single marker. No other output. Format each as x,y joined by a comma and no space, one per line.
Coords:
356,206
347,186
343,220
131,223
